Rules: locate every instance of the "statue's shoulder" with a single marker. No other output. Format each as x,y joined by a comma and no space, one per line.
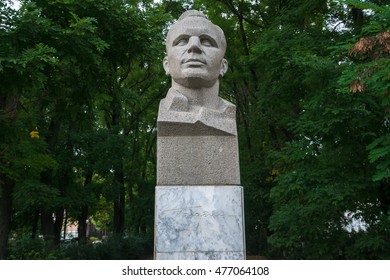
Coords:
227,108
174,101
175,108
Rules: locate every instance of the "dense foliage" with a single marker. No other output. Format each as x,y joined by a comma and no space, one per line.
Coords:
80,87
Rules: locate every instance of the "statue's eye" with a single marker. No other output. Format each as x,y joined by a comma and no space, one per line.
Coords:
206,42
181,42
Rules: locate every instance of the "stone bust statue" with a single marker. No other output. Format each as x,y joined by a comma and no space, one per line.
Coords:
199,200
195,61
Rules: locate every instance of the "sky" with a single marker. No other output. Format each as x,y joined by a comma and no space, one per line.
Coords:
15,4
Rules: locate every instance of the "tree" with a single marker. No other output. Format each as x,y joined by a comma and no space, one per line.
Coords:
23,64
325,174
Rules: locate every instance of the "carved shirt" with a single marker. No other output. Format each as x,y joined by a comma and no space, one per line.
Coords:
177,117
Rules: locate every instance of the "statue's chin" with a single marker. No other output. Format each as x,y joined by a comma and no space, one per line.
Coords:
195,82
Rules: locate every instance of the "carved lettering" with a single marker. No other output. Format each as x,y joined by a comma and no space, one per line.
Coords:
195,211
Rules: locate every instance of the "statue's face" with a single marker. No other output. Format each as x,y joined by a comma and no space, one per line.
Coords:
195,53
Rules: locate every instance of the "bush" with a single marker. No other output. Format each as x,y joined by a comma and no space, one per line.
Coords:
114,248
26,248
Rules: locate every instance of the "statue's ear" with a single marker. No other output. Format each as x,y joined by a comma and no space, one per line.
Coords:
224,67
166,65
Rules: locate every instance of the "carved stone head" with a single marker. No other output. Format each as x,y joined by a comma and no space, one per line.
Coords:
195,51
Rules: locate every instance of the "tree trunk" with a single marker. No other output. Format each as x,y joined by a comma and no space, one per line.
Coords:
8,113
47,219
83,216
65,224
119,217
82,225
51,228
357,17
119,203
34,229
6,188
58,226
47,227
9,106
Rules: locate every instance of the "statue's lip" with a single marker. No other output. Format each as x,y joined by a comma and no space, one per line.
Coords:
195,60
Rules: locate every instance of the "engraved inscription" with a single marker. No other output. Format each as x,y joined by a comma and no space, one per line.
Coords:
195,211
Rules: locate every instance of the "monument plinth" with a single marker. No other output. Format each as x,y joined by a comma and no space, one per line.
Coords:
199,222
199,201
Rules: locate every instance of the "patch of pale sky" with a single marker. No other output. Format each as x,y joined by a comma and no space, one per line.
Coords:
15,4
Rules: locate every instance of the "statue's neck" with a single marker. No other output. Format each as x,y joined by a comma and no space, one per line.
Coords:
203,97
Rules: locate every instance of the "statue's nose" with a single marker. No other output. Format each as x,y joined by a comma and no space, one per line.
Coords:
194,45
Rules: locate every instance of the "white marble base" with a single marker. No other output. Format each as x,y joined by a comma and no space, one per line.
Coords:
199,222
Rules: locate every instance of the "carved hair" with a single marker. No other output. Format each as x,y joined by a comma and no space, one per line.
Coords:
192,13
195,13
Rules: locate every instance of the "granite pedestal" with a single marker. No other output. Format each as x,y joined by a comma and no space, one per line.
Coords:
197,160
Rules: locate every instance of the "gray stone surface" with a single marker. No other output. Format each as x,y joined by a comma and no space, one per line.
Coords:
195,61
175,115
197,133
197,160
199,222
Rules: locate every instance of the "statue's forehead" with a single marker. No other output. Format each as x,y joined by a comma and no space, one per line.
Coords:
194,26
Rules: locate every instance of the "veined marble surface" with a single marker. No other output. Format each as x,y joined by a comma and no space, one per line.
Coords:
201,256
199,222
